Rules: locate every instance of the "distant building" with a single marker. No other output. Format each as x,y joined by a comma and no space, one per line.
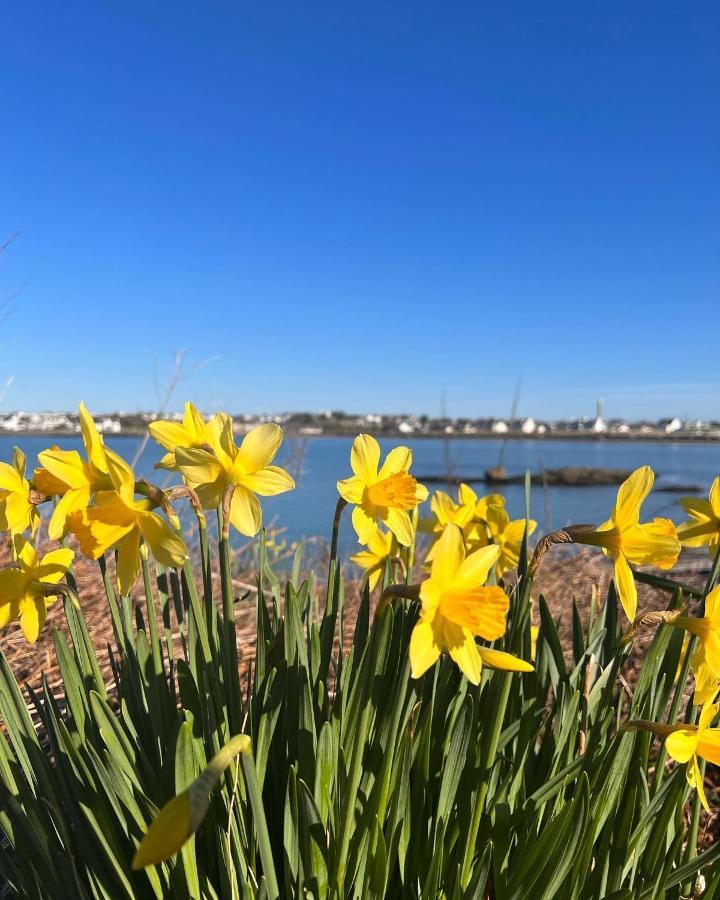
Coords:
499,427
599,426
528,426
672,425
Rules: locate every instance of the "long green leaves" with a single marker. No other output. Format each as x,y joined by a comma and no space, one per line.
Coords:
362,782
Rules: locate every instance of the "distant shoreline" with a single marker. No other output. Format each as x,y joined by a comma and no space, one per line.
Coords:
589,437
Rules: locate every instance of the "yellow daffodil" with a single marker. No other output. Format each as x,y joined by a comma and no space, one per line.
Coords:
17,510
627,541
703,527
192,433
707,684
119,520
384,493
22,593
181,817
381,547
508,535
66,474
688,743
247,467
484,503
445,510
707,629
456,606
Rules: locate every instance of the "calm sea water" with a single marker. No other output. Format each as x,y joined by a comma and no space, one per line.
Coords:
317,464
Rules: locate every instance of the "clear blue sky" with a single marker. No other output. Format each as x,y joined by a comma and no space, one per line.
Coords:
361,206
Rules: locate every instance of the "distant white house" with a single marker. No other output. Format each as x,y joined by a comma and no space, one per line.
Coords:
673,425
599,426
108,426
528,426
499,427
405,428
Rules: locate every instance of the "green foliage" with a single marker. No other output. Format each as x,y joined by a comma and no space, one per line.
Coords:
362,782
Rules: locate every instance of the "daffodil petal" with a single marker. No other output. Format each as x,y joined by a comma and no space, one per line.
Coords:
497,659
167,548
245,512
475,568
259,446
169,434
681,745
269,481
625,585
365,457
363,524
448,556
463,650
128,561
399,522
32,617
94,446
54,565
399,459
424,651
198,466
630,496
351,489
65,465
70,502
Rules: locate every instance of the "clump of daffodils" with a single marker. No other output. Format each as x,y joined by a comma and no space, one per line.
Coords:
463,609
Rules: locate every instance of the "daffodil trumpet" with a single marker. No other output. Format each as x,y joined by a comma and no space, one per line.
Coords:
181,817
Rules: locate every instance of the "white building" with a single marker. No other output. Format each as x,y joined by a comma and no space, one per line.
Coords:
528,426
499,427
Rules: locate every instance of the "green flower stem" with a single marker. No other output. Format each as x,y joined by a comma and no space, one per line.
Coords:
232,686
340,506
158,669
205,560
361,734
691,850
488,751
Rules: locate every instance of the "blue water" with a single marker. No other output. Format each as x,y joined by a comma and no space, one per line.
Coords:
308,510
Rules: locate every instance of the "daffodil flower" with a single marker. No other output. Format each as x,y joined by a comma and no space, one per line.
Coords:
119,520
246,467
23,594
703,527
507,534
707,629
627,541
75,480
18,513
688,743
380,548
192,433
181,817
456,606
447,511
384,493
